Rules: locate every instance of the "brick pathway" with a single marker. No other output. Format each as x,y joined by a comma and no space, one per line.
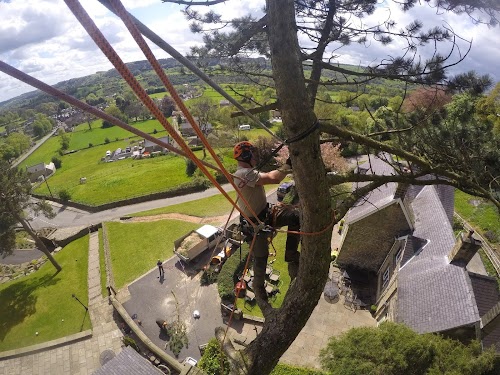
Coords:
80,357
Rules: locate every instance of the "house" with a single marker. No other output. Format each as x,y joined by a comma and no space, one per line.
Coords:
187,130
41,169
128,361
153,147
399,240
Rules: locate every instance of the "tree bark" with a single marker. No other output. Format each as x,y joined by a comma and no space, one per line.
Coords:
282,325
39,243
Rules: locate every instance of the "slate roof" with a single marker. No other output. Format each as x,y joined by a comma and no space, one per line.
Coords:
128,362
434,295
486,294
376,198
412,246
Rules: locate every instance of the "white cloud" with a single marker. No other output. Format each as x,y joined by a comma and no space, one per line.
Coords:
43,38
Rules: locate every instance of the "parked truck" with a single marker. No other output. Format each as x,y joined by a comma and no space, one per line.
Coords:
196,242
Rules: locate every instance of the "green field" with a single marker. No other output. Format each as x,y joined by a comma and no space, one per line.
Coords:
212,206
135,247
108,182
42,302
479,213
124,179
82,136
216,205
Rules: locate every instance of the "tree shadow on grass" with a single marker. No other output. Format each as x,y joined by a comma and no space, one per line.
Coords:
18,301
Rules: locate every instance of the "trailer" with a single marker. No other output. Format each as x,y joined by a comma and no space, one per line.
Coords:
197,241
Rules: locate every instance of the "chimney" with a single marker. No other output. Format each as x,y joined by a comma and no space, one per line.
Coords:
465,248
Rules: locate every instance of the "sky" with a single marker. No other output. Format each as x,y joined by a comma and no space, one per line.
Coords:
43,38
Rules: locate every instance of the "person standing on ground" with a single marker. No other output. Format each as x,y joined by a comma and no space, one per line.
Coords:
160,268
251,184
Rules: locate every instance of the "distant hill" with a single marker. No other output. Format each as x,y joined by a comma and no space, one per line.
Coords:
106,83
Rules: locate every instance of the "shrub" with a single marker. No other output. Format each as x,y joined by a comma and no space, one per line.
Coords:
57,162
129,341
209,276
155,131
64,195
91,145
190,167
106,140
457,225
214,361
228,276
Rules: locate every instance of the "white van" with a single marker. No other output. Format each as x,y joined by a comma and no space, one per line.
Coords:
245,127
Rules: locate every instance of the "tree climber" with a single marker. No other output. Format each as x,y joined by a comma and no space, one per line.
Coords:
251,183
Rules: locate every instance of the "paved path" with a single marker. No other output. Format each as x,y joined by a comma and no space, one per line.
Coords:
21,256
80,357
72,217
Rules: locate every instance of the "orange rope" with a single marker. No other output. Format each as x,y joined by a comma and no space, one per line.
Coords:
113,57
237,294
127,20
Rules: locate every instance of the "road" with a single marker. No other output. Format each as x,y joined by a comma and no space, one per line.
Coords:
71,217
31,150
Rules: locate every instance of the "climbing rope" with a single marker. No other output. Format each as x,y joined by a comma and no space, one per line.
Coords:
123,14
148,33
107,49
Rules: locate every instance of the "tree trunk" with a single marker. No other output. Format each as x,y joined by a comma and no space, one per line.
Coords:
39,243
282,325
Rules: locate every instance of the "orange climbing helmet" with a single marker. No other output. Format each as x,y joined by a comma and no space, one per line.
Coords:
243,151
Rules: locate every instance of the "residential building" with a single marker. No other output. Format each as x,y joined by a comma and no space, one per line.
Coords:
400,243
153,147
35,172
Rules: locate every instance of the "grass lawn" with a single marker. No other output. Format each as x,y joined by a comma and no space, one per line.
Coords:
212,206
159,95
478,212
135,247
216,205
108,182
39,302
284,369
82,136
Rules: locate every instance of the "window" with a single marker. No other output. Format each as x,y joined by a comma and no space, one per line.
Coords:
385,277
397,257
